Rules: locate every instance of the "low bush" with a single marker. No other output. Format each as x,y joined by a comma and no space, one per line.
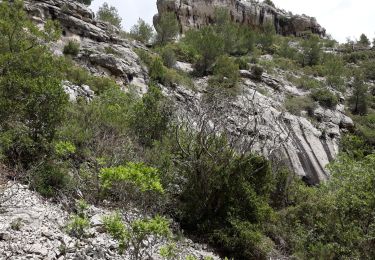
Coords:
169,57
140,237
325,98
71,48
132,183
226,73
295,105
257,72
50,178
243,63
79,223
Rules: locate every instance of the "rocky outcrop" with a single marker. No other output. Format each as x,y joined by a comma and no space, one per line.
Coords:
256,121
33,228
197,13
102,51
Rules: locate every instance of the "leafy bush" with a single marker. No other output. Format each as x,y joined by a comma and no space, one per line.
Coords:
224,195
168,56
243,63
348,199
86,2
311,51
49,178
209,46
71,48
79,223
150,117
140,237
325,98
257,72
142,31
295,105
226,72
31,104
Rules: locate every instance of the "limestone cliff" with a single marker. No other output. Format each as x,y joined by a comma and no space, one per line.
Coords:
197,13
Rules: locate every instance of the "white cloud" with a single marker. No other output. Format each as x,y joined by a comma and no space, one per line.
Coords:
341,18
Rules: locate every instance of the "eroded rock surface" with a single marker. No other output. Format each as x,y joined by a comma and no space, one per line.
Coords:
33,228
197,13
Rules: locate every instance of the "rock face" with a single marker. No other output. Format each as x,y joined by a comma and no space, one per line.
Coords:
256,121
102,51
33,228
197,13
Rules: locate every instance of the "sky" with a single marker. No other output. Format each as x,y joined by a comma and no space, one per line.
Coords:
341,18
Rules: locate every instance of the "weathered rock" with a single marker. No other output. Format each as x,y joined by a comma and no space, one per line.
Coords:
44,236
197,13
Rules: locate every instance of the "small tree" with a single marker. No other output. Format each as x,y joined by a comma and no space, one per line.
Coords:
109,14
142,31
209,46
364,41
311,51
358,101
226,72
167,28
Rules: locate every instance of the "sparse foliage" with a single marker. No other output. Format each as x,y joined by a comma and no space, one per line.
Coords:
107,13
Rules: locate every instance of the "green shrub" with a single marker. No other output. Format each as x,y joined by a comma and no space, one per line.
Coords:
325,98
110,50
71,48
109,14
226,72
243,63
32,100
295,105
308,83
79,223
168,56
142,31
49,178
86,2
257,72
348,199
221,191
157,70
209,46
311,51
150,117
167,28
140,237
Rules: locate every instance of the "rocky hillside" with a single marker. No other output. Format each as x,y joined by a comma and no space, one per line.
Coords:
307,148
33,228
195,14
205,136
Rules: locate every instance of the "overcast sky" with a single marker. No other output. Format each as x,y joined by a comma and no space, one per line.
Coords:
341,18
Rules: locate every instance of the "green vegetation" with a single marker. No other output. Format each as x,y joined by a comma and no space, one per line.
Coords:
130,150
325,97
109,14
71,48
142,32
167,28
79,223
140,237
295,105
